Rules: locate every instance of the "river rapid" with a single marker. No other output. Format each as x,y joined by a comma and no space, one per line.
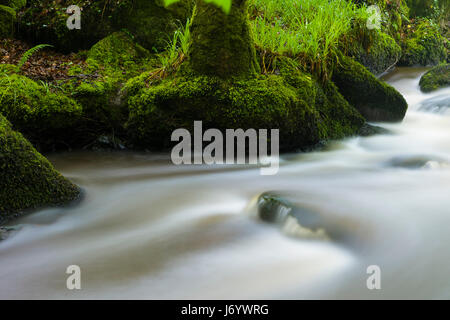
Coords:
147,229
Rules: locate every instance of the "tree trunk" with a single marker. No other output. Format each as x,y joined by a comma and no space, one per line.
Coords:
221,43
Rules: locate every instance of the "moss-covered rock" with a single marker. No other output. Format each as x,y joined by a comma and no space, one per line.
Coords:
15,4
96,87
45,22
222,45
304,111
376,100
27,179
46,118
378,53
424,46
437,77
7,20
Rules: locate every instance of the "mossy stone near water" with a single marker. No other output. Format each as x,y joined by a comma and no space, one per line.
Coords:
46,118
374,99
304,111
437,77
27,179
379,54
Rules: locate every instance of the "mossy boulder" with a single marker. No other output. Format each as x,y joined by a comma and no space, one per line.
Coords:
437,77
374,99
96,86
304,111
424,46
45,21
15,4
45,117
378,54
27,179
7,20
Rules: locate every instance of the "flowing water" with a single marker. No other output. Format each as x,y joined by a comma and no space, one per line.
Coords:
149,229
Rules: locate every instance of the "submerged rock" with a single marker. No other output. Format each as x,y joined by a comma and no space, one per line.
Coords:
375,99
293,220
437,77
28,180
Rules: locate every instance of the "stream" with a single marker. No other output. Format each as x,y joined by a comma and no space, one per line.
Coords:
147,229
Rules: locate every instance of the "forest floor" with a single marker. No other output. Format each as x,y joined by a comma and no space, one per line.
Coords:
45,65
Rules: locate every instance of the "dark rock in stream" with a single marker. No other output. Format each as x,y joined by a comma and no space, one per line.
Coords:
277,210
368,130
414,161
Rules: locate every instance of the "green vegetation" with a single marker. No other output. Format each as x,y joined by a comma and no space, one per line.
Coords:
436,78
27,179
29,53
424,45
7,19
44,117
309,31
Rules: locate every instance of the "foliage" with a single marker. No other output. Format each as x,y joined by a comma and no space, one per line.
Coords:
29,53
309,30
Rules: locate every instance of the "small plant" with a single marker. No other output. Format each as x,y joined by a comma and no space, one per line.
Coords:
177,51
27,55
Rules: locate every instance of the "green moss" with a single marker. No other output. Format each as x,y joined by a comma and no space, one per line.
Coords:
110,63
303,110
436,78
27,179
374,99
424,46
7,20
221,43
44,21
118,54
15,4
152,23
7,69
43,116
377,54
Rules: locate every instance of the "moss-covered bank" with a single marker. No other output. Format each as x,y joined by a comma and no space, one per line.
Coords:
27,179
437,77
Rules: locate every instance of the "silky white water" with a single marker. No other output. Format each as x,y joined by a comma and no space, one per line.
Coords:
147,229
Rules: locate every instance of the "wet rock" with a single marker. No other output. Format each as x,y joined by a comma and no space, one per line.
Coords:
374,99
414,161
437,77
368,130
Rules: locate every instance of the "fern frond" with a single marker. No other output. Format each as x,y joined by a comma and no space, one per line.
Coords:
29,53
